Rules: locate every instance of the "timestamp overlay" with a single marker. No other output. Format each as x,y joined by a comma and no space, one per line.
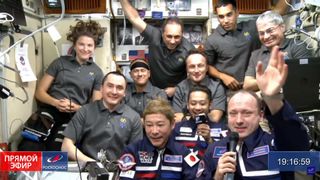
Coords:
308,161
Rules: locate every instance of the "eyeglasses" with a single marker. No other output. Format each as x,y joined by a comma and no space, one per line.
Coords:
268,31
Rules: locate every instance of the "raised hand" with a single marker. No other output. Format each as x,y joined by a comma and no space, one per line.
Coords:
273,78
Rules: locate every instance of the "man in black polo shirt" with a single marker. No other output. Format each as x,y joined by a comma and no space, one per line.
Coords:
167,49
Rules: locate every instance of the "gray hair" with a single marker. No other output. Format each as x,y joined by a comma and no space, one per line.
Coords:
270,17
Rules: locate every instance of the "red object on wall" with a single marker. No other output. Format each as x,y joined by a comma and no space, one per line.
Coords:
4,175
4,146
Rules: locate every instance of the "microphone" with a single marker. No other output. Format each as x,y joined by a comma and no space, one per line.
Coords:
5,92
233,141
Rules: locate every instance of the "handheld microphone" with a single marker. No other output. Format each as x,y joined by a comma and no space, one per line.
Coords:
233,141
5,92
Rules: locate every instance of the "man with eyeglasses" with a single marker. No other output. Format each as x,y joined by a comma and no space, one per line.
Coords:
271,30
230,46
141,91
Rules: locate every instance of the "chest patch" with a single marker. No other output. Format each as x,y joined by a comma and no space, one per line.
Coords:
215,132
145,157
259,151
123,122
172,158
247,35
218,151
185,130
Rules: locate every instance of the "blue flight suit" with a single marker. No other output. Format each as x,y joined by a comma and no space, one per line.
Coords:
288,134
185,132
141,160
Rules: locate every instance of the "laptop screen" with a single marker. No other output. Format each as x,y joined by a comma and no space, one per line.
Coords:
302,88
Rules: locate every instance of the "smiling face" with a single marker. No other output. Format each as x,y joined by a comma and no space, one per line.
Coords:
84,47
172,35
113,90
198,103
158,129
227,17
140,76
196,67
243,114
270,34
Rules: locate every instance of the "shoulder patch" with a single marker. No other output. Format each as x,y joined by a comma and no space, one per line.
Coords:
258,151
218,151
201,168
126,162
191,159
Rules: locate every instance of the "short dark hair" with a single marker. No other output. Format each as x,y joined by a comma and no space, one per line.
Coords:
222,3
201,88
115,73
172,20
197,51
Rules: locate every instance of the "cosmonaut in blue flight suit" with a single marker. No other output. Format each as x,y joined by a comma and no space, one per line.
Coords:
254,144
185,133
198,131
157,155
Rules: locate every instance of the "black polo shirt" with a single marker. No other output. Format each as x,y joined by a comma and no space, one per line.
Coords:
167,68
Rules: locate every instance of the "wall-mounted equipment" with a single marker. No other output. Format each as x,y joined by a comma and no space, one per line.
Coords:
76,6
185,9
179,5
313,2
15,9
129,45
251,6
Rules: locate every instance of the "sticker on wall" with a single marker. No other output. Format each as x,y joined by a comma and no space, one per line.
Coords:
23,65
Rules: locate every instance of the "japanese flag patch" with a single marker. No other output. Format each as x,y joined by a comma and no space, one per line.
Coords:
191,159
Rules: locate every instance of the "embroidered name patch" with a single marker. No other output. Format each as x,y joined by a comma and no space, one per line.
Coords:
215,132
259,151
172,158
127,174
186,129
